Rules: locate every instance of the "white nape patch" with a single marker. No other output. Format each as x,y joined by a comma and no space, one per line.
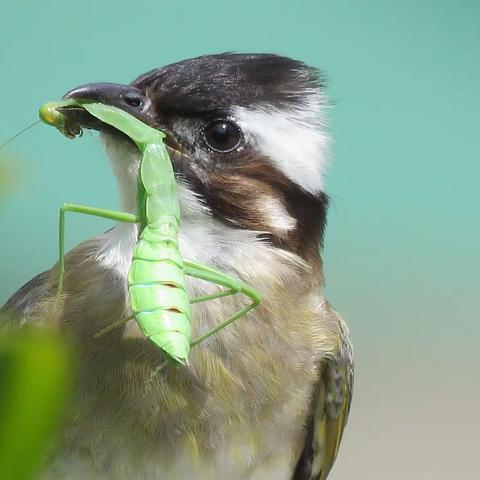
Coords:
293,139
276,214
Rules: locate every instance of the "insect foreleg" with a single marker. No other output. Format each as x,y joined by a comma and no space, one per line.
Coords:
232,284
96,212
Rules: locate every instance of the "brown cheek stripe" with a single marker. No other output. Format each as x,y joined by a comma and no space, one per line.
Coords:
233,193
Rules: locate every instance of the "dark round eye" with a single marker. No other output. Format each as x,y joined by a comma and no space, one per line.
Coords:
222,135
133,100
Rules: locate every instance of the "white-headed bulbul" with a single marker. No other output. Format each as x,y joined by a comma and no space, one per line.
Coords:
266,398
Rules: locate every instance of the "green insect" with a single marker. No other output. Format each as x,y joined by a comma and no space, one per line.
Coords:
156,279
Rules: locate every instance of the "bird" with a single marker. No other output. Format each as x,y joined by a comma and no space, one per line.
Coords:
268,397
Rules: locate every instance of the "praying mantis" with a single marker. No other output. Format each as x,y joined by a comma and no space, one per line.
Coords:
158,296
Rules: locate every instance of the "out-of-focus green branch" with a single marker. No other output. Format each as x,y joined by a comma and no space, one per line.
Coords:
35,384
3,179
7,177
35,381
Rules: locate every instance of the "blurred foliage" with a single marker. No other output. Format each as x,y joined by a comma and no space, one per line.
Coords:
4,178
35,379
8,179
35,384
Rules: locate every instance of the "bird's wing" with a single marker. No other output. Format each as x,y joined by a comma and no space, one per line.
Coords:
21,305
34,301
330,407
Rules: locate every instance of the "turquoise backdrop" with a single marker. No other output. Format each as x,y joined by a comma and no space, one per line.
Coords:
402,262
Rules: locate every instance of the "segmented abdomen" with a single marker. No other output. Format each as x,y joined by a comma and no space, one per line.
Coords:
156,284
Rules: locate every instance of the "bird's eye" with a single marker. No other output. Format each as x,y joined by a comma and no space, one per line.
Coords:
133,99
222,135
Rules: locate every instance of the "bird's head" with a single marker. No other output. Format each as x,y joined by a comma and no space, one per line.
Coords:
246,137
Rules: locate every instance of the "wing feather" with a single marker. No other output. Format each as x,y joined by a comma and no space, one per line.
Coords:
330,407
21,305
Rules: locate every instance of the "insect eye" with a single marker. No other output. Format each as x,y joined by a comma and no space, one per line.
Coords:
222,135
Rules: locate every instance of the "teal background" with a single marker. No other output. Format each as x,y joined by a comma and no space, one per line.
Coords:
402,261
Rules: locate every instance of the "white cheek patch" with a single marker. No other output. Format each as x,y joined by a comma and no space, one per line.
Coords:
276,215
292,139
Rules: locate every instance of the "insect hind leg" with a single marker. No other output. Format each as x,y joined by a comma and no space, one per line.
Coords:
233,287
113,326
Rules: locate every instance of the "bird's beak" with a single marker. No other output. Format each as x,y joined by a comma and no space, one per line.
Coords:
109,93
70,117
125,97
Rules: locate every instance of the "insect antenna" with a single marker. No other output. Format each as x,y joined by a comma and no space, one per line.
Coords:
18,134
